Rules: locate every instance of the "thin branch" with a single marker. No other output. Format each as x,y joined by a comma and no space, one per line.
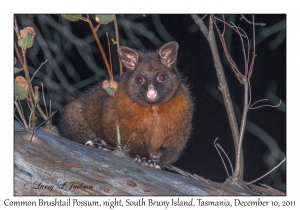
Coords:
248,21
209,34
246,58
127,145
17,131
229,58
267,172
39,108
16,27
25,125
224,27
251,107
221,157
239,165
109,52
46,120
254,52
226,157
20,105
44,99
30,89
99,44
216,146
37,71
118,132
201,25
49,106
233,28
204,17
250,93
36,112
18,54
18,119
118,43
98,26
28,103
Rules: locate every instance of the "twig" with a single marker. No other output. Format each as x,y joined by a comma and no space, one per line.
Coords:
49,106
248,21
44,99
224,27
16,27
17,131
27,76
239,165
251,107
99,44
118,132
127,143
30,117
109,52
266,173
18,119
37,71
21,115
20,105
221,156
239,162
233,28
30,89
253,57
226,157
246,58
18,54
46,120
204,16
209,34
118,43
234,67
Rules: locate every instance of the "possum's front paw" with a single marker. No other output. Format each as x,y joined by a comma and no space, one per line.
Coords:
97,143
144,162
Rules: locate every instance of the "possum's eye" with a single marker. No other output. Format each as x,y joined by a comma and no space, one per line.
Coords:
140,80
161,78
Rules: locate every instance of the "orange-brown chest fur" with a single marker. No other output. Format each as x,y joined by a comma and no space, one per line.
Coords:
148,128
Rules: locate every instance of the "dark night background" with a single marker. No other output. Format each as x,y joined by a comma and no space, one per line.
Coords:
74,64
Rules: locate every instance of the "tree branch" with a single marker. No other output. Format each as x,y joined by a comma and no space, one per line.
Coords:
209,34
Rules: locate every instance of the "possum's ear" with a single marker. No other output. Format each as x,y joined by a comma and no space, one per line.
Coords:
168,53
129,57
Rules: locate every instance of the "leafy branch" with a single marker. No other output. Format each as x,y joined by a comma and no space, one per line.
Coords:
111,85
22,87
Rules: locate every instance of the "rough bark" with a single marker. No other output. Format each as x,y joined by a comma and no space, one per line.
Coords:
51,165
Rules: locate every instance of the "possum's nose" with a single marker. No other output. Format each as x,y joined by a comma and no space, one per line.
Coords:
151,93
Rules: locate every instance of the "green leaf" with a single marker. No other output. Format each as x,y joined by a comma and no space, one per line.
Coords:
72,17
20,92
104,19
26,37
20,87
26,42
15,60
110,91
17,70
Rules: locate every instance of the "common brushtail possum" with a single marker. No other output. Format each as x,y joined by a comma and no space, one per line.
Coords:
152,108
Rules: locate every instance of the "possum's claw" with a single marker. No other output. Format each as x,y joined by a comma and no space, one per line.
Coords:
97,142
137,158
144,162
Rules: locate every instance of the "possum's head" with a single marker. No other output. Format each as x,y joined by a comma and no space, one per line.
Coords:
152,78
